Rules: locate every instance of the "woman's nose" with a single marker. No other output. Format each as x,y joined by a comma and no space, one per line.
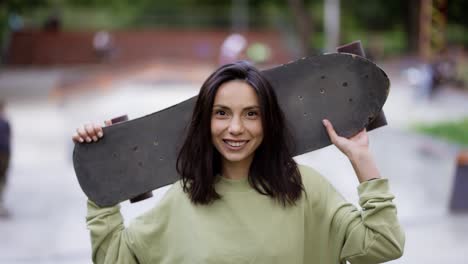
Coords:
236,126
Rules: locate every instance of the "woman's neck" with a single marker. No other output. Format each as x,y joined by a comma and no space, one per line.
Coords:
236,170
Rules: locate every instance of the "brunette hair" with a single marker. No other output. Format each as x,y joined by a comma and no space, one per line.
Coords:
273,172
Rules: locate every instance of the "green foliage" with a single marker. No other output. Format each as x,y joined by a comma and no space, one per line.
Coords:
379,44
453,131
381,25
457,34
375,15
456,10
19,6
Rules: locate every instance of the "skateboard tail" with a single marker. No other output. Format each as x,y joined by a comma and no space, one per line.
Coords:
356,48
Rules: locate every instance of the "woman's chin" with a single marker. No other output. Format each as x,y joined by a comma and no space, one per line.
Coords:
235,158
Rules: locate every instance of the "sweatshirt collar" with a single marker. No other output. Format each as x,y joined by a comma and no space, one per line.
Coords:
226,185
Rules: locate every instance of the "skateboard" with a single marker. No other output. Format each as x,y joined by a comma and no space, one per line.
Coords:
137,156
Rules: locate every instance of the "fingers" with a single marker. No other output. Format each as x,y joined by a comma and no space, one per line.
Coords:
91,132
360,133
98,130
81,132
88,133
330,130
76,138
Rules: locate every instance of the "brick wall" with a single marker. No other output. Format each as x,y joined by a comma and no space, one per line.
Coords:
31,47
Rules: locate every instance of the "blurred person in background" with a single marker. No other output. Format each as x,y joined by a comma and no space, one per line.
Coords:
5,138
232,48
103,44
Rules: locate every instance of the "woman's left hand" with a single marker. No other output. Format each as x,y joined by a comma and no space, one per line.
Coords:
351,147
356,149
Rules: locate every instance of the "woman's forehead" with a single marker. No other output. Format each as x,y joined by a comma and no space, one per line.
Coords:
236,93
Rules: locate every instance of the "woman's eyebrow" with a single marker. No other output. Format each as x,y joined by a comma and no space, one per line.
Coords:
245,108
254,107
220,106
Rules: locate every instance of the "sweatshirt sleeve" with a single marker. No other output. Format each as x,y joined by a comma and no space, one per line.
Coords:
370,235
373,234
110,241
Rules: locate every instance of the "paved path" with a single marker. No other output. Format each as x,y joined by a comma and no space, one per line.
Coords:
48,207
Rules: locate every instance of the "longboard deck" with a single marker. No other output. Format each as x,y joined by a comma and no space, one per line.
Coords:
139,155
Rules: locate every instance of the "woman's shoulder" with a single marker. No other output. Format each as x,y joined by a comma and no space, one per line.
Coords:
174,193
316,186
310,176
162,209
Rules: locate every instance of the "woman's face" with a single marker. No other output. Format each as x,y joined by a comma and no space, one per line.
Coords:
236,125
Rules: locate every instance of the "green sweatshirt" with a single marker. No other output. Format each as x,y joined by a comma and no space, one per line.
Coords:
247,227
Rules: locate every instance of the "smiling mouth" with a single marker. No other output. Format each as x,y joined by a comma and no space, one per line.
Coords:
235,144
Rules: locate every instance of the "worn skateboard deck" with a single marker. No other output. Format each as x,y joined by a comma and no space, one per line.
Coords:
137,156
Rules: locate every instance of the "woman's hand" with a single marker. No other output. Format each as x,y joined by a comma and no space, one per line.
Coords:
89,133
356,149
351,147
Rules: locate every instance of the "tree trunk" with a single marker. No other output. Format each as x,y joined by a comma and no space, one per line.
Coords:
412,24
304,25
332,24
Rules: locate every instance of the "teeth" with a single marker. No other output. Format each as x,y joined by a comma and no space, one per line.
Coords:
235,144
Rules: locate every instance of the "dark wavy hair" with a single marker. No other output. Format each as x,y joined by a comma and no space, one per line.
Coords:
273,171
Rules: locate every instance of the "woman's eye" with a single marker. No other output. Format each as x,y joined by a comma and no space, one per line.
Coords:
220,112
250,114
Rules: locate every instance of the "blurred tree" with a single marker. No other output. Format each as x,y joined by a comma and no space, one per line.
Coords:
457,12
457,22
304,25
19,6
332,24
396,23
411,20
9,9
376,15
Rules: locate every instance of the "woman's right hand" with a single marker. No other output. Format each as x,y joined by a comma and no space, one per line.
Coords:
89,132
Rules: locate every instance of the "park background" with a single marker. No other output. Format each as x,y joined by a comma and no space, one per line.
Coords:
69,62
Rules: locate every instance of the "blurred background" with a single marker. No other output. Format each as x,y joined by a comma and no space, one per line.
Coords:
65,63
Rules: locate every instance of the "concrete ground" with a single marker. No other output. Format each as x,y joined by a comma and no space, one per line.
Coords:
47,224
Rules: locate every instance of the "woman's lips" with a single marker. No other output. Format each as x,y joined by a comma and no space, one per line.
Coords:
235,144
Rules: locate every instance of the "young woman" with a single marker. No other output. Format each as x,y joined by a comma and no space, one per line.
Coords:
243,199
